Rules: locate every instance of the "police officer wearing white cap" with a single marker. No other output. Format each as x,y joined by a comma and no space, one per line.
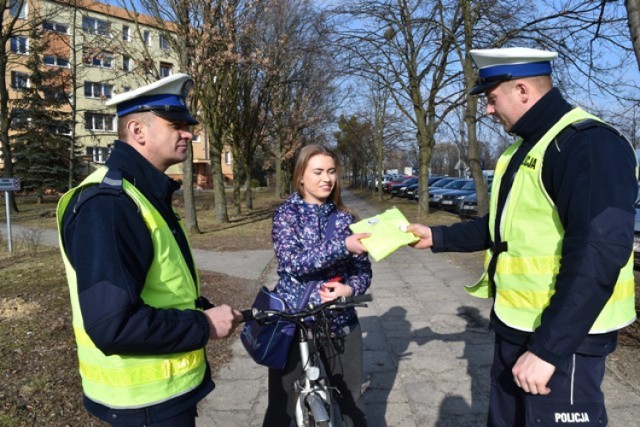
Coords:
139,320
558,236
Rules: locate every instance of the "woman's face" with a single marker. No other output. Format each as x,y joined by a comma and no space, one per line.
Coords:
319,179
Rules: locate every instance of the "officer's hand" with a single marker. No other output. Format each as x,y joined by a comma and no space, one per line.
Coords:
222,320
424,233
532,374
354,245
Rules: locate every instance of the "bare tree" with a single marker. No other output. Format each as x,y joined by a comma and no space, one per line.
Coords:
301,89
408,45
13,26
379,95
355,146
178,23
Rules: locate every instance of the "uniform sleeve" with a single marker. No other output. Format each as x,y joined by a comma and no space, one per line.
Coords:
594,185
468,236
297,259
109,246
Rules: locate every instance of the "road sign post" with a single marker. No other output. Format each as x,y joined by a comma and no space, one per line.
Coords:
7,185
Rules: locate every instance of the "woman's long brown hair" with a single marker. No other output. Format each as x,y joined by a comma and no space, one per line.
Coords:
305,154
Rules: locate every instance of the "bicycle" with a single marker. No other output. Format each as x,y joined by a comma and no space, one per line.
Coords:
315,402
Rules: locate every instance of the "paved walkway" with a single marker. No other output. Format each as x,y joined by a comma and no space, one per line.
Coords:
427,352
427,349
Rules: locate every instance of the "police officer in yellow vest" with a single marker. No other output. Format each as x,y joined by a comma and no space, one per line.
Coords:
139,320
558,241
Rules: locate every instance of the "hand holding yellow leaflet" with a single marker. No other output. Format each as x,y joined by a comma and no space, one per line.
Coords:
388,233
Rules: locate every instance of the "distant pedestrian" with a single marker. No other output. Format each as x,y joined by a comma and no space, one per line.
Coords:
139,320
313,245
558,236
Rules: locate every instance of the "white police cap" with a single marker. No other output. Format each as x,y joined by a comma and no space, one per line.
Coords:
165,98
499,65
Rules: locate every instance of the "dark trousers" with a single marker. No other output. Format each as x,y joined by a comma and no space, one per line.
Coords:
343,362
575,398
140,418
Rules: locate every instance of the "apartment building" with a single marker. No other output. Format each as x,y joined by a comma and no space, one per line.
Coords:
107,50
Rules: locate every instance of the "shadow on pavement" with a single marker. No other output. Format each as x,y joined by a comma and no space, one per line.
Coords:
454,409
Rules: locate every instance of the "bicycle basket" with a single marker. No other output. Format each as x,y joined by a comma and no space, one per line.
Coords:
268,344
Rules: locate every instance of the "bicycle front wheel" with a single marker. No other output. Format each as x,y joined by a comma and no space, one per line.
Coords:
318,412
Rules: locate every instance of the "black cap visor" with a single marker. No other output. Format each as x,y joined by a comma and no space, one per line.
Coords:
176,116
482,85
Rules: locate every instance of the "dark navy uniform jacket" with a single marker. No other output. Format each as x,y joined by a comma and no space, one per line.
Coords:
589,172
108,244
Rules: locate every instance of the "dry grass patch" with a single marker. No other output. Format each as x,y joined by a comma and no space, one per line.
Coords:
248,231
38,363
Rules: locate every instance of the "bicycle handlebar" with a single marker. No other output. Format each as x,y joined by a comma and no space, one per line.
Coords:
339,303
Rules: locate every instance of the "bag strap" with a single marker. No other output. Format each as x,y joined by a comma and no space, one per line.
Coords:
331,226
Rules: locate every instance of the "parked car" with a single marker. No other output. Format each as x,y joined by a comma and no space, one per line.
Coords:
397,180
450,199
412,190
385,178
438,184
436,195
400,189
468,205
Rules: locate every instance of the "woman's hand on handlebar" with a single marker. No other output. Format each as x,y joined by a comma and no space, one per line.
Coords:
332,290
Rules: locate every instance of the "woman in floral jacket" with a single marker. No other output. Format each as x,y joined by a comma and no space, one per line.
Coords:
310,254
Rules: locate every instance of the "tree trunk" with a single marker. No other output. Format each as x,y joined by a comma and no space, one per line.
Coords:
248,193
633,12
278,170
471,112
425,147
190,218
219,198
237,208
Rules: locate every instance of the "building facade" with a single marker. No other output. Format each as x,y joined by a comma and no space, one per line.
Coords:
104,50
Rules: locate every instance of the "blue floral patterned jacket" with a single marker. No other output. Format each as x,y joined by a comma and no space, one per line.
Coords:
306,258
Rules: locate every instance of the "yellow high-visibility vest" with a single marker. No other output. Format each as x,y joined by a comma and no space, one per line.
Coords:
525,275
128,382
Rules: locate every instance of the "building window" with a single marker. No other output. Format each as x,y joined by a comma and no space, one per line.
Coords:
146,36
127,63
60,128
102,59
126,33
56,61
227,157
55,94
97,90
20,118
16,9
164,42
96,26
19,80
98,154
196,137
56,27
20,45
165,69
99,122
